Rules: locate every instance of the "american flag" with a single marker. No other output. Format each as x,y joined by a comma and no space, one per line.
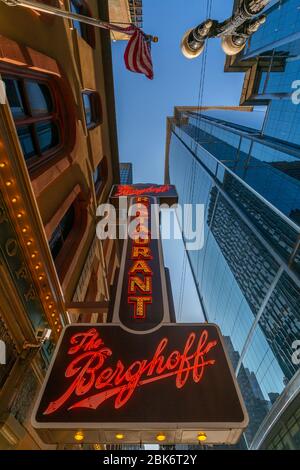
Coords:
138,54
138,51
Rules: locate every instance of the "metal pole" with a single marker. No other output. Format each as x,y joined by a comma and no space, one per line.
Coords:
37,6
57,12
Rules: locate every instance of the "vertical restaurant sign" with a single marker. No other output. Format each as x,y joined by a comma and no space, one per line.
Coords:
142,300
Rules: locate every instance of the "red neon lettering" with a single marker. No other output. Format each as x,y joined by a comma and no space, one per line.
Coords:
145,201
139,306
141,231
142,210
141,252
89,374
144,285
141,241
140,266
128,190
140,256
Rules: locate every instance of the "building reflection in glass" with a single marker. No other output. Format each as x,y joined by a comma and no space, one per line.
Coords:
246,273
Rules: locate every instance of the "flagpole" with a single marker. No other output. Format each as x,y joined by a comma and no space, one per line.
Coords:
143,65
56,11
41,7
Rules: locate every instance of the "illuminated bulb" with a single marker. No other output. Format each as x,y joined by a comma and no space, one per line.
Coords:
52,315
19,215
79,436
202,437
160,437
58,330
119,436
55,323
14,200
33,255
29,243
24,230
2,165
47,297
8,183
50,306
40,278
37,267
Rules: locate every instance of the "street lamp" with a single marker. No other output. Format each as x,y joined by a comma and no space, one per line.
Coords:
234,32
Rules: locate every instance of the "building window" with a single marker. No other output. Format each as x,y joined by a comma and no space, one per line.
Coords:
92,108
38,122
84,30
66,229
62,231
100,176
97,176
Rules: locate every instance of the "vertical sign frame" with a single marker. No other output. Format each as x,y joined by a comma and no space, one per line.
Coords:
140,326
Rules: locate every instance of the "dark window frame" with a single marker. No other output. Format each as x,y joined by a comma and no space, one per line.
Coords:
103,172
73,238
95,106
87,32
63,229
56,116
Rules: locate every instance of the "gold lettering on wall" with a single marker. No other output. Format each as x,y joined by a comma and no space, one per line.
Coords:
30,294
22,272
11,247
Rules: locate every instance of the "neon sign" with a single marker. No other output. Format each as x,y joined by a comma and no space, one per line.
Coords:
104,376
140,373
165,194
140,272
142,298
142,303
130,190
92,381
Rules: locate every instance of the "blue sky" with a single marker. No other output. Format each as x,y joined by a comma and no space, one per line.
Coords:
143,105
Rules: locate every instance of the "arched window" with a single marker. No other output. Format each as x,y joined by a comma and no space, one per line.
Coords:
35,109
84,30
92,108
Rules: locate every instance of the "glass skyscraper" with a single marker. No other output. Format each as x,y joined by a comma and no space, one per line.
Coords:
243,164
126,173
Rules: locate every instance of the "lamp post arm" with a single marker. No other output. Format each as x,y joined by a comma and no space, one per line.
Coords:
246,11
244,22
